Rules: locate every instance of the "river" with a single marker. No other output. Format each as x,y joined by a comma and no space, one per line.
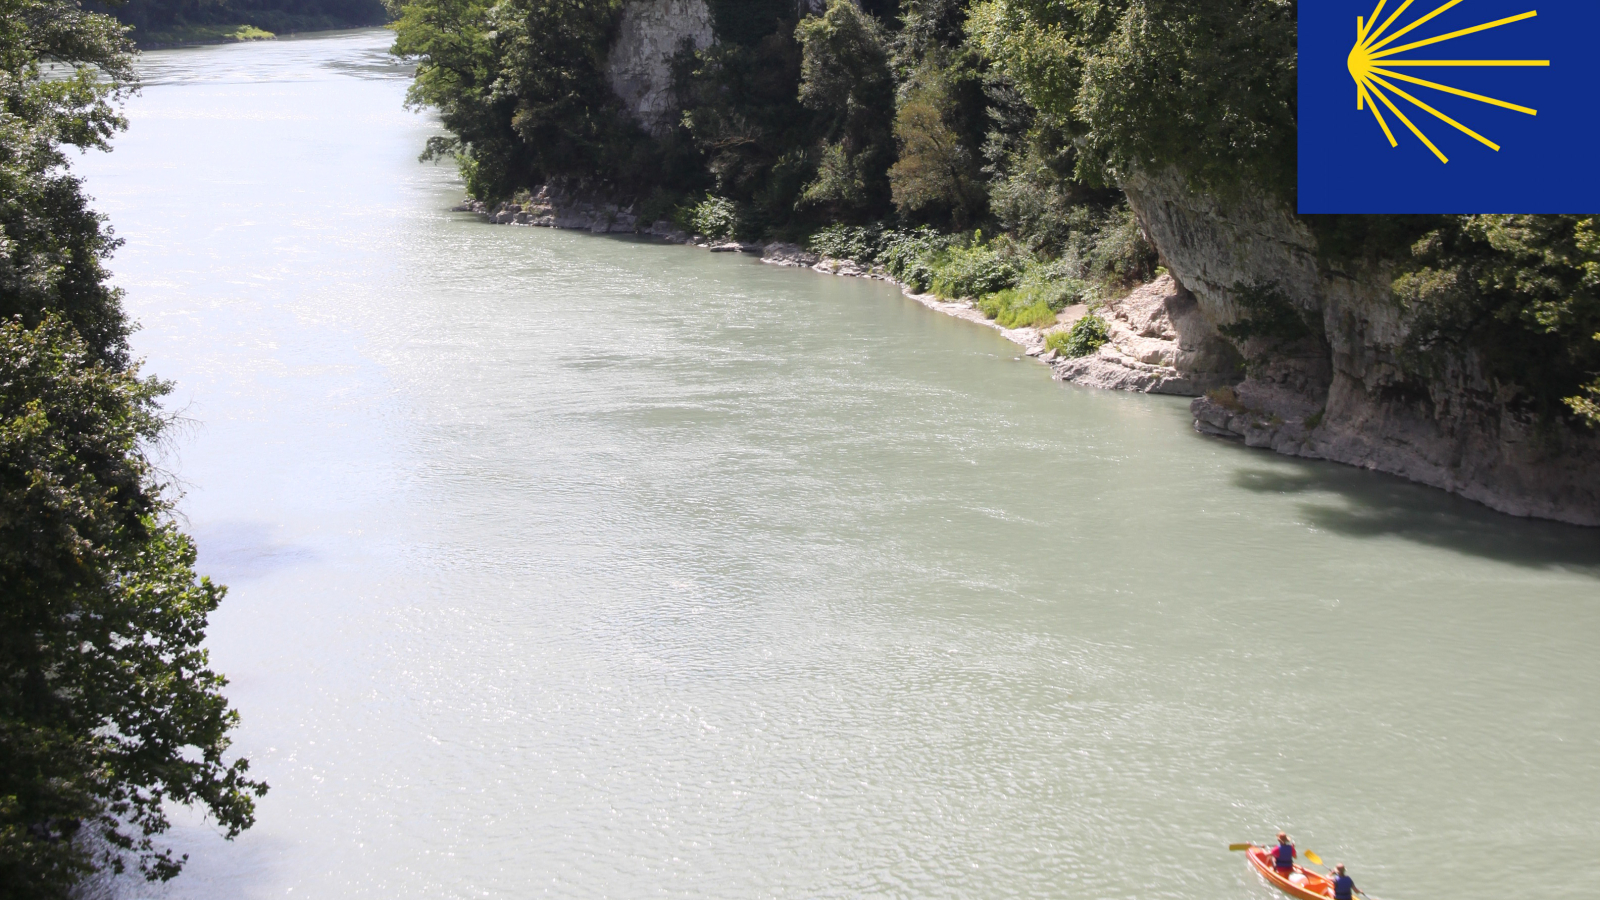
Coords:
580,567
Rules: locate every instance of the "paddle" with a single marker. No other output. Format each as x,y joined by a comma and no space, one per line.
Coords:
1236,847
1312,857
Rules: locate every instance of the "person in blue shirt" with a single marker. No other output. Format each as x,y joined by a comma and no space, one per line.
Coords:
1343,885
1283,856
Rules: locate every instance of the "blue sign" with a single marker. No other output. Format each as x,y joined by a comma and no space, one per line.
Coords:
1449,106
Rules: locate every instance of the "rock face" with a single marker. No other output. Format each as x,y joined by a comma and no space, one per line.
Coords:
1159,343
556,206
1343,394
639,66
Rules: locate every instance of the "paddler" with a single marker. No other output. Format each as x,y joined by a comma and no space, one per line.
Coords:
1343,885
1283,856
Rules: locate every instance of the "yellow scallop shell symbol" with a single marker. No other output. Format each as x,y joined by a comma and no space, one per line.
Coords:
1372,63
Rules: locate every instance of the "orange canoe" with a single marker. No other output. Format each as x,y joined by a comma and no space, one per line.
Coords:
1302,882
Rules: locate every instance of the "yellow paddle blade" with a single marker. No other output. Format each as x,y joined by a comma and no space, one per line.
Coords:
1235,847
1311,855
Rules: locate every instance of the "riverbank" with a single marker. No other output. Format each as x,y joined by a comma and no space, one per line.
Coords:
1159,341
1146,350
202,35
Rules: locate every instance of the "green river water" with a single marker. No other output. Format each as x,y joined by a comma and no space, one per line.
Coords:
583,567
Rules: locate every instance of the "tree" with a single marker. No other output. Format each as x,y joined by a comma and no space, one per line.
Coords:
51,245
1519,294
846,80
742,112
935,169
1587,405
520,85
108,710
1206,87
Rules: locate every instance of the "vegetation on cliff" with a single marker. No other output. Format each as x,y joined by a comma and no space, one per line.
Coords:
1019,117
1209,89
108,710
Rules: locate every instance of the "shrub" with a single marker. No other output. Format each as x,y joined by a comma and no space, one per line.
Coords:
1043,291
715,217
1086,336
847,242
975,270
1057,283
1116,252
909,255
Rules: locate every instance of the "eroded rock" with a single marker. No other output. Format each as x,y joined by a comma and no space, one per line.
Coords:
1343,394
1157,344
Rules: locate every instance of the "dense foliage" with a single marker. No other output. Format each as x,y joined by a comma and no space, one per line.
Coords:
516,82
845,81
743,122
1521,294
52,247
1208,87
108,711
177,21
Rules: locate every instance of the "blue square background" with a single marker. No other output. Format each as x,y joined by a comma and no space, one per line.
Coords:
1549,163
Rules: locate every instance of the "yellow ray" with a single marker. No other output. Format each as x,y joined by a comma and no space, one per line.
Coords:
1362,87
1402,117
1376,11
1390,21
1439,115
1407,30
1457,91
1455,34
1390,63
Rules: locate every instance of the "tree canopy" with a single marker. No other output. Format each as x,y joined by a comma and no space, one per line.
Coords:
108,709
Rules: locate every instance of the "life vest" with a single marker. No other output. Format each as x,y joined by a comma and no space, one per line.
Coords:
1283,856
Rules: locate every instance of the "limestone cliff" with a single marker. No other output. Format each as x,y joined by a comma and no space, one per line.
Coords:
1344,394
1158,342
639,66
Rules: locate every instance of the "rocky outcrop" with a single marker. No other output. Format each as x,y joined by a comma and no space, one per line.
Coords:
557,205
639,66
783,254
1343,393
1159,343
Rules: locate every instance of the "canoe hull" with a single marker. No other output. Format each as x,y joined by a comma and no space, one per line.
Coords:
1308,885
